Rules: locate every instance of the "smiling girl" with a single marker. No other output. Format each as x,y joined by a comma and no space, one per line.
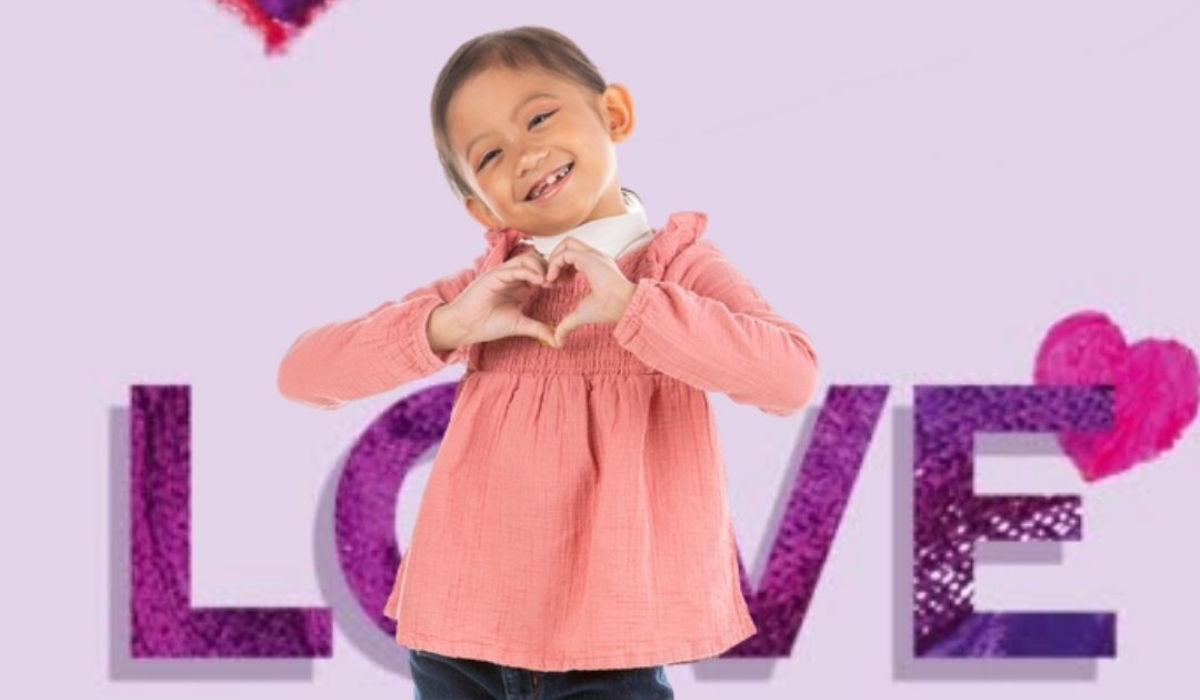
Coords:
574,533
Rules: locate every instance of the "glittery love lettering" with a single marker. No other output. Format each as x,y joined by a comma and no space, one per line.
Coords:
948,518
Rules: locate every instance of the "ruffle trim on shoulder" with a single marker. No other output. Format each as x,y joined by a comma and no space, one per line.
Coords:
682,230
501,241
507,236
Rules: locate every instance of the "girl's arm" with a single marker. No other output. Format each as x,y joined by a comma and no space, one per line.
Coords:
705,324
333,364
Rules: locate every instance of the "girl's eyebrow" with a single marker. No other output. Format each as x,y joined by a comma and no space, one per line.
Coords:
528,98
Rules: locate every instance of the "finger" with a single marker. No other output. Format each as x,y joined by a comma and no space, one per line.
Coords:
525,259
571,243
511,274
532,260
533,328
566,257
519,256
531,255
567,242
521,259
535,264
569,323
539,263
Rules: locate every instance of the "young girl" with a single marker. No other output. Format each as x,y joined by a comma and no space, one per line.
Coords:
574,533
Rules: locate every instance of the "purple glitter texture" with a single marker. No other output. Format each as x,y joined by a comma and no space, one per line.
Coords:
163,623
815,506
365,512
949,518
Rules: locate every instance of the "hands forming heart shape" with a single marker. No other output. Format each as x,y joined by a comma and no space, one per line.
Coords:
491,306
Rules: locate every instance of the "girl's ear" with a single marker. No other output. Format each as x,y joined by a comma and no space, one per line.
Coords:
618,111
479,211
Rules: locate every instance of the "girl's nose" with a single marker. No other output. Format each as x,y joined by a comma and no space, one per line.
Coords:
531,159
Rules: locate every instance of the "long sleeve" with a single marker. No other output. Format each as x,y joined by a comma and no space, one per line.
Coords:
338,362
710,328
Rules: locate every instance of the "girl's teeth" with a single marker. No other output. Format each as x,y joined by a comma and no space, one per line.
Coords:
558,174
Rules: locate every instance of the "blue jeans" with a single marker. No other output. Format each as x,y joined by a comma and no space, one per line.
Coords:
438,677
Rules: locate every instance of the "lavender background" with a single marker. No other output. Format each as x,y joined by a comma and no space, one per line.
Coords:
924,187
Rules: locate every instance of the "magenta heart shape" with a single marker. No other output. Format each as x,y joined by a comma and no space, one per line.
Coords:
1155,382
277,20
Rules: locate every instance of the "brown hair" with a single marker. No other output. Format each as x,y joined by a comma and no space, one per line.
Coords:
517,48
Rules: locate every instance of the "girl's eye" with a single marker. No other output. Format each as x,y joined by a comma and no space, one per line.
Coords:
532,122
486,157
543,114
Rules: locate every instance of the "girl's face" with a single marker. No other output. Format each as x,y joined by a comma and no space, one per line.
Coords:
509,129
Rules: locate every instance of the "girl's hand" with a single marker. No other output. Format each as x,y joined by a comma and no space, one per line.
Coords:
491,306
611,290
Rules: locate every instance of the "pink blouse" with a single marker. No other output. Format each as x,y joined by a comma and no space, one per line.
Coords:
576,515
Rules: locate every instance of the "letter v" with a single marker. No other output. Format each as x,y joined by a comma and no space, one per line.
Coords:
815,505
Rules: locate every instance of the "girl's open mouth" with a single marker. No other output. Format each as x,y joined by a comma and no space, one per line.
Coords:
548,191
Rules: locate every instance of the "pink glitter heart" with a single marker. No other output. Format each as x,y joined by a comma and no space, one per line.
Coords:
277,20
1156,385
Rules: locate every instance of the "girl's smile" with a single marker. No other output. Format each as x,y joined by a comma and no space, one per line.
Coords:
546,192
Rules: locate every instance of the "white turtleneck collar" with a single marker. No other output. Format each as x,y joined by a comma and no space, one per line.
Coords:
612,235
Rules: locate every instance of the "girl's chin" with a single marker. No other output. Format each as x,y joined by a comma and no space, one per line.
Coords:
550,225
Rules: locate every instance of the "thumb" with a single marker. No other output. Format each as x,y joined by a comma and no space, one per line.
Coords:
569,323
534,328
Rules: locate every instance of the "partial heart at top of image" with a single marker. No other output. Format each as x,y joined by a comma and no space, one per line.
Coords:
1155,383
277,20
